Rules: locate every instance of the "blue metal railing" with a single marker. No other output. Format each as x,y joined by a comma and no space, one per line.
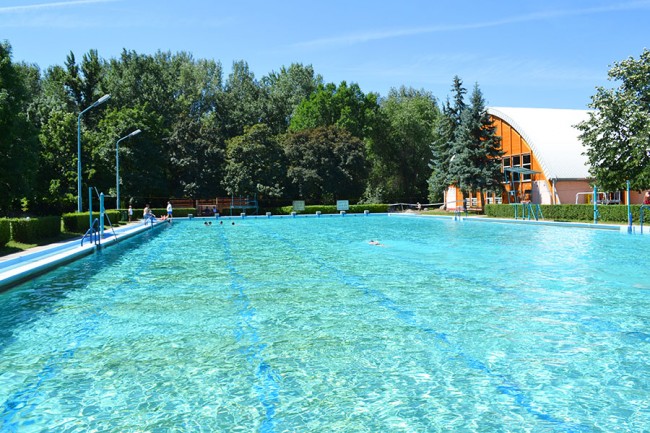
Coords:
92,233
643,207
528,211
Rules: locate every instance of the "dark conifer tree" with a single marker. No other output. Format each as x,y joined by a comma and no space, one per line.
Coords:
442,146
476,165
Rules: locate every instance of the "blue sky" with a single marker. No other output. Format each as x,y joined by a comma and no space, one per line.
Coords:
522,53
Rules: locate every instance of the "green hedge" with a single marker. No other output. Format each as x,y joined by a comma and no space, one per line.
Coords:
77,222
572,212
5,232
331,209
33,230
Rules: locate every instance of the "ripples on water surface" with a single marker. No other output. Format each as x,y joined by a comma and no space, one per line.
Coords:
298,325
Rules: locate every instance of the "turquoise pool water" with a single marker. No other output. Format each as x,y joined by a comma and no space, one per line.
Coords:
299,325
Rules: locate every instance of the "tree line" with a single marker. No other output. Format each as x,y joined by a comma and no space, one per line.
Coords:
284,136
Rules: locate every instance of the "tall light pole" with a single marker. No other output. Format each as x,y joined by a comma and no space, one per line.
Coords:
94,104
117,165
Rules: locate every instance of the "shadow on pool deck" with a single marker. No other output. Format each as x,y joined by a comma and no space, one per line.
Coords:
24,265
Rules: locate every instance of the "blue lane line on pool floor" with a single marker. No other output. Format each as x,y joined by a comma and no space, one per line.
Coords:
268,387
24,401
591,323
506,385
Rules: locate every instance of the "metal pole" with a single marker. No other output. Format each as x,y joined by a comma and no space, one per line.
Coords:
117,165
117,174
629,208
101,215
595,204
90,207
94,104
79,162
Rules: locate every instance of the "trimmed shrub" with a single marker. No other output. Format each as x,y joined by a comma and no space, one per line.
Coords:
331,209
5,232
33,230
77,222
372,208
572,212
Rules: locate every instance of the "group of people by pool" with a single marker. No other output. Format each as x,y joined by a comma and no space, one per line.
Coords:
149,216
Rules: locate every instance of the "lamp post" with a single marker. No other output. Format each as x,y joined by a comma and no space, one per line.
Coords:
94,104
117,165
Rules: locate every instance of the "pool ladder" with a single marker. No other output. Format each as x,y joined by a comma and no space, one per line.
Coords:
92,233
528,211
643,207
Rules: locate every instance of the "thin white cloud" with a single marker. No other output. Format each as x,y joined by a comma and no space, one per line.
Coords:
44,6
357,38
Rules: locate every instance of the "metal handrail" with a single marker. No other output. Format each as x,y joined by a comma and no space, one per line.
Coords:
641,210
92,230
107,217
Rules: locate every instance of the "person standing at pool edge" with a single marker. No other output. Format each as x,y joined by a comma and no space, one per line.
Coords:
147,214
646,198
169,211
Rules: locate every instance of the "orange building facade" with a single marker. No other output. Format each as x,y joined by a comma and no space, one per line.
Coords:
542,162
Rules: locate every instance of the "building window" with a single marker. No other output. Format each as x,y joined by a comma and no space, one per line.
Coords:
523,161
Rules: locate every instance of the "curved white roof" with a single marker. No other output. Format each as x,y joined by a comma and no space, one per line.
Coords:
552,137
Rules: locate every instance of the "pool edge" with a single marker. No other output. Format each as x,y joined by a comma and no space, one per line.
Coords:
42,262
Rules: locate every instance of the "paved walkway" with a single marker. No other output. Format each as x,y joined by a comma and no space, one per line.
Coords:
18,267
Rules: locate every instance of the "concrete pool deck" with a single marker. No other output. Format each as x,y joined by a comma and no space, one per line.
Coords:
19,267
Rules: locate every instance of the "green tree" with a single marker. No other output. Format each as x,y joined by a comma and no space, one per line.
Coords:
142,167
326,163
255,163
285,90
18,137
242,101
476,162
57,172
617,134
400,147
196,157
443,142
343,106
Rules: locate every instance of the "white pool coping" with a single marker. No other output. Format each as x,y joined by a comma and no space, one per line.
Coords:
19,267
622,228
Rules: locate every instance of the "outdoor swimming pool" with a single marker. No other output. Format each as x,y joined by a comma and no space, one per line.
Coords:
299,325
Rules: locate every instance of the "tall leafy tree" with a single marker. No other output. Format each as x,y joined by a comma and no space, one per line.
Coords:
343,106
18,137
84,84
196,157
325,163
57,172
400,149
242,100
443,142
476,165
142,165
195,143
53,112
255,164
285,90
617,134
